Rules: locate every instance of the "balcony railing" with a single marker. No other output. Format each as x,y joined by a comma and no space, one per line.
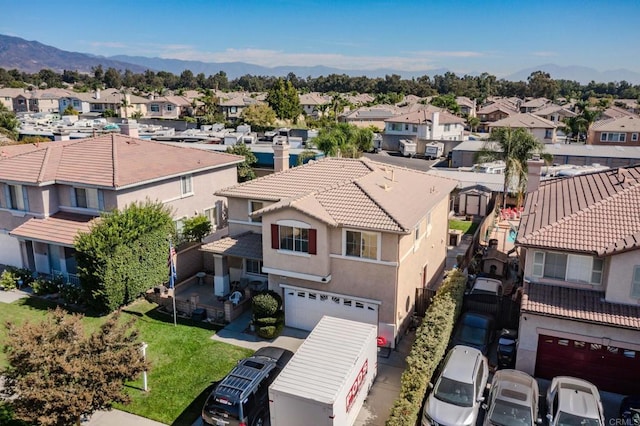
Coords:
67,277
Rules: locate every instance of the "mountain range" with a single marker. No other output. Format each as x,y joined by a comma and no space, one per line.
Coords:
32,56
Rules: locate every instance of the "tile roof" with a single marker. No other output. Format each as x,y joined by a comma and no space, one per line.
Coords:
426,115
112,161
579,305
350,192
629,123
247,245
594,213
526,120
553,108
498,106
60,228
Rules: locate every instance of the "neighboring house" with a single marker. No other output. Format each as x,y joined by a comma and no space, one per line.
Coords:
532,105
349,238
8,96
580,250
370,116
493,112
615,131
122,103
543,130
232,108
51,191
314,104
40,100
168,107
554,113
80,101
467,106
359,99
615,112
427,124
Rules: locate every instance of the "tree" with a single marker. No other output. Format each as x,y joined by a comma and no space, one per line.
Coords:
514,146
123,255
245,170
448,102
69,110
259,115
344,140
541,85
57,373
9,124
283,99
208,107
196,228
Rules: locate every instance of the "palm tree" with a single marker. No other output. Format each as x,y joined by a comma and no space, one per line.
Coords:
588,115
514,146
8,123
125,104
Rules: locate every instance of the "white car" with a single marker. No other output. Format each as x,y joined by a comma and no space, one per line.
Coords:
458,392
513,400
572,401
484,285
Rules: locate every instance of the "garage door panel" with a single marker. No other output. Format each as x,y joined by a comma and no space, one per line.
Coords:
304,308
609,368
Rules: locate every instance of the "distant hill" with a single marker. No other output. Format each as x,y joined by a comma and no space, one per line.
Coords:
32,56
580,74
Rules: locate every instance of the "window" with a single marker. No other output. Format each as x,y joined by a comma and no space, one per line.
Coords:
155,108
212,215
417,232
548,134
569,267
612,137
634,137
86,198
415,129
255,206
169,107
294,239
76,104
16,196
186,184
233,110
635,284
406,127
254,266
447,127
361,244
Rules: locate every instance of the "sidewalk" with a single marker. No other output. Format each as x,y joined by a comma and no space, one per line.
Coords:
13,295
120,418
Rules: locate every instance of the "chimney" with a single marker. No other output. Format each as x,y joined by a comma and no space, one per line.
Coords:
435,124
97,94
280,154
129,128
534,168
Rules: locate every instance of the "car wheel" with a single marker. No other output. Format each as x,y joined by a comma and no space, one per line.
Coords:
261,420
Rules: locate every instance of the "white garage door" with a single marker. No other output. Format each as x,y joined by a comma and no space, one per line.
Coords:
303,308
10,251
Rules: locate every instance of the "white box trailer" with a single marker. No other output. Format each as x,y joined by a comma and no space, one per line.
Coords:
433,150
407,147
328,378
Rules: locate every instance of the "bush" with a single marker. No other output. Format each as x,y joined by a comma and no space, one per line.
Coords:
432,339
43,286
266,304
71,294
8,280
270,331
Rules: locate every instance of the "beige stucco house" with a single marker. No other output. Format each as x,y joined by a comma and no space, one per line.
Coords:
350,238
51,191
580,243
543,130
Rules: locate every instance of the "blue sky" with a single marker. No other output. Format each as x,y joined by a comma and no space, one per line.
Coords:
499,37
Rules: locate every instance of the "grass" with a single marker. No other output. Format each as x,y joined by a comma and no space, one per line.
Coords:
185,361
466,226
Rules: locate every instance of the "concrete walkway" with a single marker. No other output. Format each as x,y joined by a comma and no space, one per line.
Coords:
119,418
13,295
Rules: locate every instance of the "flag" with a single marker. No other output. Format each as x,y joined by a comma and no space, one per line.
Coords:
172,265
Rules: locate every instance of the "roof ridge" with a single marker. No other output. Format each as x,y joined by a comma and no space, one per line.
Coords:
47,153
357,184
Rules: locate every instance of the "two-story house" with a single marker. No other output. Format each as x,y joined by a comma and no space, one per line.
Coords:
169,107
544,130
495,111
615,131
350,238
580,243
7,96
314,104
51,191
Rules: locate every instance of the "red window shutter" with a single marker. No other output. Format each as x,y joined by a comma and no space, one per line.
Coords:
313,237
275,237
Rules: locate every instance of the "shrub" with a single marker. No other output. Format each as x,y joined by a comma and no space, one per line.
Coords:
432,339
23,274
270,331
71,294
196,228
8,280
266,304
43,286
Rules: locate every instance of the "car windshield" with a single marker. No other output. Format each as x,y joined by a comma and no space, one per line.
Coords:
454,392
505,413
565,419
472,335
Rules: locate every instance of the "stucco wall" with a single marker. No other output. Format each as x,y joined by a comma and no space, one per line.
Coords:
239,216
620,277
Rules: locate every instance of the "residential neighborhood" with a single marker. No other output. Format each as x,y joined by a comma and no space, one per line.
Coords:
264,250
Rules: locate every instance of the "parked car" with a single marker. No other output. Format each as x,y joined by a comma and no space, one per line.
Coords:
490,286
573,401
458,391
630,410
513,400
507,345
476,330
242,398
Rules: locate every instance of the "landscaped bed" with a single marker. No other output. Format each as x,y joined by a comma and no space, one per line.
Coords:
185,360
466,226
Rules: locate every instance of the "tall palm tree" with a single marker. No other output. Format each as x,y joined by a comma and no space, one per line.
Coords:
514,146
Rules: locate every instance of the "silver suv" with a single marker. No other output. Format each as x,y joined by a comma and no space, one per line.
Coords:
572,401
513,400
458,392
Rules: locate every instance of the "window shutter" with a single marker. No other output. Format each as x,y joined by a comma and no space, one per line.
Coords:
275,236
25,199
313,237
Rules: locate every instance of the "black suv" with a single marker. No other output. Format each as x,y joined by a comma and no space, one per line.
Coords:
242,397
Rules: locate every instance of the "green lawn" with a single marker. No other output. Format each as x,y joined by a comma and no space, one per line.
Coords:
466,226
185,360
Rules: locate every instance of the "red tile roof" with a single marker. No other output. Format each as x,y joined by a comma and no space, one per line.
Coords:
577,304
595,213
60,228
111,161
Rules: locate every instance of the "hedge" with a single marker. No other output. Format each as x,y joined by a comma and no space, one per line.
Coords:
430,346
268,317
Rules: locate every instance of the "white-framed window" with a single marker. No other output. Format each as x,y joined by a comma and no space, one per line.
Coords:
294,239
179,224
253,266
186,184
415,129
155,108
233,110
612,137
255,206
634,137
16,196
361,244
635,283
86,198
169,107
447,127
568,267
212,214
417,232
76,104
